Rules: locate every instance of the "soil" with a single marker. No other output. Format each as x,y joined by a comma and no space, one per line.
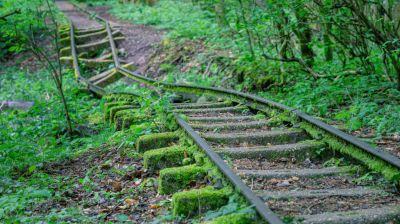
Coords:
298,183
79,19
282,163
113,184
311,206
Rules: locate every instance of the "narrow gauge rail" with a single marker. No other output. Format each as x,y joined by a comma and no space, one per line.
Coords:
272,163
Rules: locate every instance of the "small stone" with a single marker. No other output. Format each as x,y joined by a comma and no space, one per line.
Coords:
105,166
294,178
284,183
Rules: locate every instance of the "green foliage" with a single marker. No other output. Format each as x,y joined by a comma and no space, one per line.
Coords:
15,30
193,23
356,101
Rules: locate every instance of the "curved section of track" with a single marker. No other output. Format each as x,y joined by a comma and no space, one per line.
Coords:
279,167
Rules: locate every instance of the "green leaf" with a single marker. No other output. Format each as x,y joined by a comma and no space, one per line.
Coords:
122,218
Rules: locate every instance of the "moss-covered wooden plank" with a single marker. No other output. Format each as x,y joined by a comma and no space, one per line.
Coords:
155,141
166,157
174,179
235,218
194,202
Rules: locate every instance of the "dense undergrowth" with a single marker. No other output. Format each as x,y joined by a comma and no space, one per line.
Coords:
214,55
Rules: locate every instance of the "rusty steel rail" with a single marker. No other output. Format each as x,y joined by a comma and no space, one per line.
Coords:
249,99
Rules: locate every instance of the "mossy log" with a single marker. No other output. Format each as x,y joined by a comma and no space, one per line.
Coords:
174,179
155,141
157,159
191,203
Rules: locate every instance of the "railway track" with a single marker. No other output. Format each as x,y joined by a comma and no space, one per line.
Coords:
289,166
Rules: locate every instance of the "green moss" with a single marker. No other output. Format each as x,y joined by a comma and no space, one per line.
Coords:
120,115
155,141
236,218
390,173
194,202
165,157
130,120
125,118
115,109
174,179
114,97
108,106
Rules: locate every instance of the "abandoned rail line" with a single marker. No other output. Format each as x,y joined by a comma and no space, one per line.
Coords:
282,161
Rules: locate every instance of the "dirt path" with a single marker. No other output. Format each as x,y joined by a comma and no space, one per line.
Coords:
79,19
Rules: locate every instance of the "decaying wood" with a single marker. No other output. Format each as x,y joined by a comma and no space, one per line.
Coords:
82,39
109,76
89,63
20,105
91,47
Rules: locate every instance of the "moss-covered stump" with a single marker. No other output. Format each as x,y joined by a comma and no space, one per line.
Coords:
174,179
194,202
155,141
165,157
236,218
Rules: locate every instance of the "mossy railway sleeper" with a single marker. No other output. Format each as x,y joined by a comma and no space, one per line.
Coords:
268,161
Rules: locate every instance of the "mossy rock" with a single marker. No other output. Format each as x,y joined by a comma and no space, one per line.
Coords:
236,218
155,141
194,202
165,157
174,179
